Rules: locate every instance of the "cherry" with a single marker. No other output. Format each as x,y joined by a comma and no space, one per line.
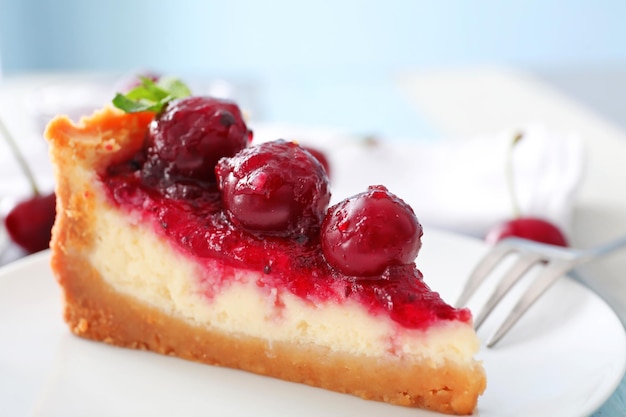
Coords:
186,140
366,233
30,222
274,187
525,227
320,156
531,228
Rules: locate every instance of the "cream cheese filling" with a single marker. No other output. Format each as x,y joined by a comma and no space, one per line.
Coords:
137,262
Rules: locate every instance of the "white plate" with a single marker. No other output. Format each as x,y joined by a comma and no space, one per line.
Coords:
564,358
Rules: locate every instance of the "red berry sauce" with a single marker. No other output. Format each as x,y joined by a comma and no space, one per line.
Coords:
196,216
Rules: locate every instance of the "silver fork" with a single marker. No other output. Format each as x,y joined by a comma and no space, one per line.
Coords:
557,262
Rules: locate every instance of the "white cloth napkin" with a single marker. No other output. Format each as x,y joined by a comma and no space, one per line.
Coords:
458,185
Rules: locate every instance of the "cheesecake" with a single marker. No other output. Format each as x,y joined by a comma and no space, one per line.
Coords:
175,233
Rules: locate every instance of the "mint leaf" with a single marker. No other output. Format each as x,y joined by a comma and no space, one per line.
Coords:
128,105
151,96
174,86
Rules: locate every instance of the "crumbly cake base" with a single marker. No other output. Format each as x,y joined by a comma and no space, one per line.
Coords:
95,310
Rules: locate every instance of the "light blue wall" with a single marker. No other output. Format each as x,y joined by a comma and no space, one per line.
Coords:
331,57
252,37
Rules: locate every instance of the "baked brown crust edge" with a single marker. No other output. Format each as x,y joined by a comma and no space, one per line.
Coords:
94,310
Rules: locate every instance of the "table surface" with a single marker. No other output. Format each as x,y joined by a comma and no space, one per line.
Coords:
465,103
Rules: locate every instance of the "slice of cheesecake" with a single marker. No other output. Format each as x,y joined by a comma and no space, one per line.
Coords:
241,264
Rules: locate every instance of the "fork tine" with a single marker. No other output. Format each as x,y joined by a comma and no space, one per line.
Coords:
513,275
553,271
482,270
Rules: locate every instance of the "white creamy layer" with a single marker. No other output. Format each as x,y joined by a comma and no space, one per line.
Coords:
135,261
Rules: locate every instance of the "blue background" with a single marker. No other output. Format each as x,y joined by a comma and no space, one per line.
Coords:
280,36
324,55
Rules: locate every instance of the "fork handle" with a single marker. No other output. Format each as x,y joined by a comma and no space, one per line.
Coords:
610,247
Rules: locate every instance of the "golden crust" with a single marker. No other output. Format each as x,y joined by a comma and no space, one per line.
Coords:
78,152
108,136
96,311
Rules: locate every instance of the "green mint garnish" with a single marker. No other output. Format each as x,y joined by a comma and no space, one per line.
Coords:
151,95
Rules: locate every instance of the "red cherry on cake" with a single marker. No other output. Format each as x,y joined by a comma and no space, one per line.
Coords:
366,233
275,187
30,222
186,140
531,228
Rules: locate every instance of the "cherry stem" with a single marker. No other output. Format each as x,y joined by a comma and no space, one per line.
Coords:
19,157
510,174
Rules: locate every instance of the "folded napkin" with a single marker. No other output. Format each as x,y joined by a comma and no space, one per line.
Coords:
458,185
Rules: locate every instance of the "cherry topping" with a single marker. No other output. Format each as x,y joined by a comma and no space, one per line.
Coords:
366,233
275,187
531,228
30,222
186,140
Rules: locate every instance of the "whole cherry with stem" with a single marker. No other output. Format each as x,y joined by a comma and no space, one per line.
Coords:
527,227
29,223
